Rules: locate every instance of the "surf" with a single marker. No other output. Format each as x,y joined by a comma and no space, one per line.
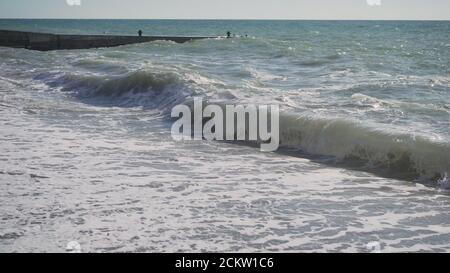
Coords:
407,154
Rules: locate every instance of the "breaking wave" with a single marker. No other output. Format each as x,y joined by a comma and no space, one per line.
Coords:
403,154
139,88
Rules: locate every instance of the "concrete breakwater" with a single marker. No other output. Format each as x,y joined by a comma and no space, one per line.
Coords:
46,41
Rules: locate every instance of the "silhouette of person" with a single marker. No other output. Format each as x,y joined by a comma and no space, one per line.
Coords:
140,33
228,34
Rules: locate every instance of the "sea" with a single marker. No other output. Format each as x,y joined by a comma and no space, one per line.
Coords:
88,162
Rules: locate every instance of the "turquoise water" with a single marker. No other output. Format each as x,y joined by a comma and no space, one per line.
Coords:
365,132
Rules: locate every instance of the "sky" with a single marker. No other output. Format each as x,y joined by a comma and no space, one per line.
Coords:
228,9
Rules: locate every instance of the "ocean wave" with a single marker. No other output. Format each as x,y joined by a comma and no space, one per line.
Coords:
401,153
155,89
398,154
405,154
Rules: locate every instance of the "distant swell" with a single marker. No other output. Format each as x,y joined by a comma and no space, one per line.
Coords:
400,153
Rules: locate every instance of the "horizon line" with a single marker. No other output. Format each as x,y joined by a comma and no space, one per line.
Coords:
224,19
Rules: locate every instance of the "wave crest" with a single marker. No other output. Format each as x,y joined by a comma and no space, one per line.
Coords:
400,153
138,88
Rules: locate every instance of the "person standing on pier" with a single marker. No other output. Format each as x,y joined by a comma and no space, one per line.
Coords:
140,33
